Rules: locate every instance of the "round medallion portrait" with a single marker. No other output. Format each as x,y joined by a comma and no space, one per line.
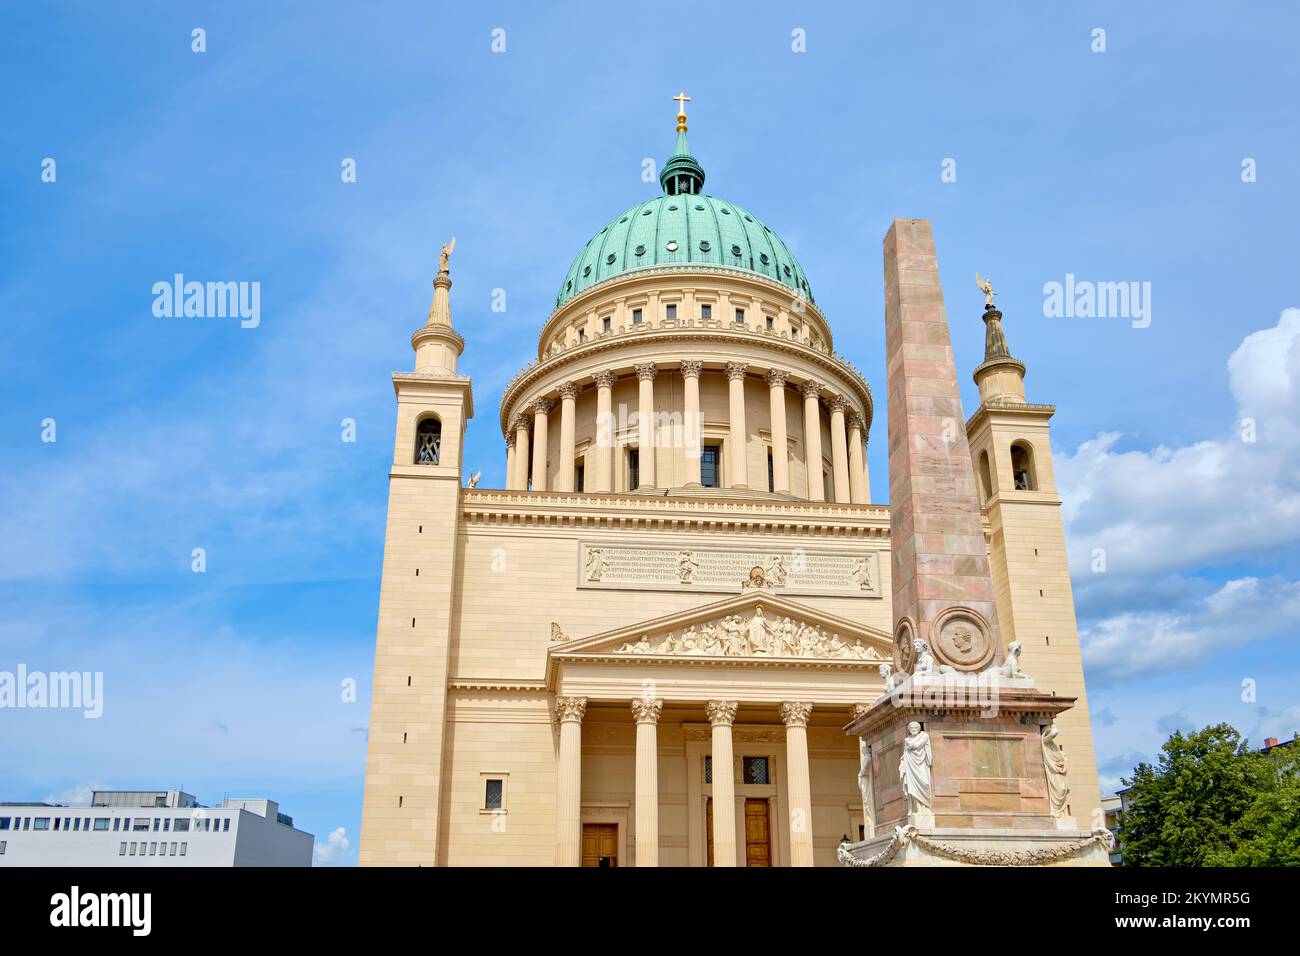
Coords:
961,638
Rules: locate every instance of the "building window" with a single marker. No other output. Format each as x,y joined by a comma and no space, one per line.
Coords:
1022,467
101,823
153,849
580,478
122,850
740,316
182,825
986,478
116,823
636,316
706,311
771,324
184,847
4,845
633,469
670,312
133,846
225,825
709,476
157,824
492,793
173,850
4,823
57,821
167,824
42,823
754,770
708,769
771,479
141,826
428,442
582,336
605,324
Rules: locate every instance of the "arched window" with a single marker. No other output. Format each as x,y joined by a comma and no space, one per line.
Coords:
986,478
428,442
1022,467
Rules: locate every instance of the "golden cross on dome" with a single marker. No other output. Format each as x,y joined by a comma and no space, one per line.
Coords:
682,99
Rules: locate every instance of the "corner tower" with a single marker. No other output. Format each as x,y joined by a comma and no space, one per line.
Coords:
400,816
1010,443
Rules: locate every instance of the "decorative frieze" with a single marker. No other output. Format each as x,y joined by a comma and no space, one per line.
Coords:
759,636
837,573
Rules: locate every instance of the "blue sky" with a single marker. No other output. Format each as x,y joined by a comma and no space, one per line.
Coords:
175,433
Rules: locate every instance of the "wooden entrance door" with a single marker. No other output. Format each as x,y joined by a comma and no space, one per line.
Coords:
600,844
758,838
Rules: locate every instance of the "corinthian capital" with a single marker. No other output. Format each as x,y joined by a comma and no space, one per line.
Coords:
776,378
605,379
691,369
647,711
568,391
838,403
541,406
736,370
855,420
722,712
570,708
811,390
794,713
646,371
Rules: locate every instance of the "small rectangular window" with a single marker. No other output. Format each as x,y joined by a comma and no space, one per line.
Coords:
4,823
157,823
740,316
4,844
133,846
173,850
57,821
708,769
42,823
709,477
671,311
633,469
117,823
184,846
101,823
582,336
771,480
225,825
182,825
141,826
492,795
579,478
605,324
771,323
122,850
706,312
754,770
167,824
153,849
636,316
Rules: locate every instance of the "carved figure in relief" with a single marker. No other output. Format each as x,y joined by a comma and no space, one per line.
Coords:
1054,760
595,564
756,579
687,565
711,642
862,574
775,571
760,638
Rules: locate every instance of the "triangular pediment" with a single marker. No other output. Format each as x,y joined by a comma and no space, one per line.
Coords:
756,626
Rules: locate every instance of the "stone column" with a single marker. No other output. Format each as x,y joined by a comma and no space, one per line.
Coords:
692,424
722,714
780,441
798,786
541,410
568,798
521,453
647,714
839,449
645,373
606,432
739,433
812,440
568,398
859,488
510,460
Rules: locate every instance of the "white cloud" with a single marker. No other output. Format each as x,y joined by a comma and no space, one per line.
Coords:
77,795
333,851
1210,501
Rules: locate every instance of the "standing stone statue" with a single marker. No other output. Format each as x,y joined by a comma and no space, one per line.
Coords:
865,788
759,633
914,769
595,564
1058,791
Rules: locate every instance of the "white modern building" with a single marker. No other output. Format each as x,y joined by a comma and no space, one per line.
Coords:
151,828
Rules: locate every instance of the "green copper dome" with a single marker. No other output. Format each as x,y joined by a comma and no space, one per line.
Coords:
683,228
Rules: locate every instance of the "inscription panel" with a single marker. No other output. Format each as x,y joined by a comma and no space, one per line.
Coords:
839,573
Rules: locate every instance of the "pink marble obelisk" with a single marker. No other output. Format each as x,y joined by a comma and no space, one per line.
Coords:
943,592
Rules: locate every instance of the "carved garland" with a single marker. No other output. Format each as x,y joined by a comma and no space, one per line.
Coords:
1038,857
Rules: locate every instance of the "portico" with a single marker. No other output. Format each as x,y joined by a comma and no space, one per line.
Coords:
648,717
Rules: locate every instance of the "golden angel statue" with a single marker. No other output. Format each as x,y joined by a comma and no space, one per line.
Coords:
447,249
985,286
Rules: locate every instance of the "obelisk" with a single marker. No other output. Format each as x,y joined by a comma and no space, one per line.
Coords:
942,589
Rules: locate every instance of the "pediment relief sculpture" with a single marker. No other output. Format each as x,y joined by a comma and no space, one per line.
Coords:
756,636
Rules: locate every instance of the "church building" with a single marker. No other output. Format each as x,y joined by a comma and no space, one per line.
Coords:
645,649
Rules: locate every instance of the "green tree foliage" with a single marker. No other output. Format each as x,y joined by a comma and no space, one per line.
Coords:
1212,801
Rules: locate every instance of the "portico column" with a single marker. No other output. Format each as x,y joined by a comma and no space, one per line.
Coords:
812,440
541,409
606,432
645,373
722,714
839,449
510,461
799,795
692,425
568,397
780,445
859,490
739,433
568,798
521,453
647,714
